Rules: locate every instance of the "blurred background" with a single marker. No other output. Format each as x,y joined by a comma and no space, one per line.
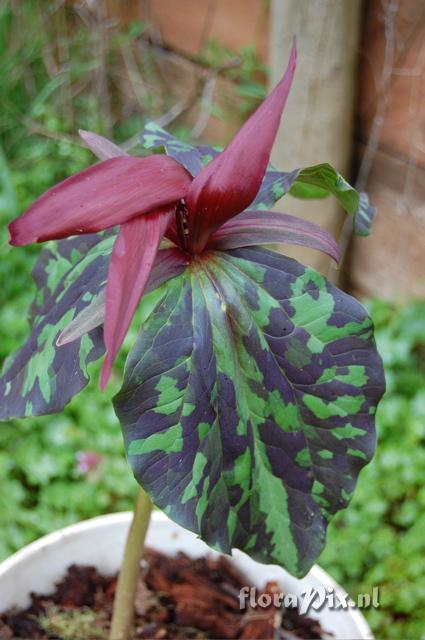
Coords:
198,68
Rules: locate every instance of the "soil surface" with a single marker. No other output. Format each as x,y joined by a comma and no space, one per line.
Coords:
177,599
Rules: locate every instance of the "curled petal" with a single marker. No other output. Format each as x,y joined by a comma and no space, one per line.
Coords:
133,257
267,227
230,182
100,146
102,196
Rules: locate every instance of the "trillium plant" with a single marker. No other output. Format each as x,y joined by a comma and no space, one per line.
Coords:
248,399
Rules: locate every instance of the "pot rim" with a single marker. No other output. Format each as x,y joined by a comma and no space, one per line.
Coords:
121,518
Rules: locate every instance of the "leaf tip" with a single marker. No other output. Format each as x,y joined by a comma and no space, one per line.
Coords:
64,338
85,135
60,340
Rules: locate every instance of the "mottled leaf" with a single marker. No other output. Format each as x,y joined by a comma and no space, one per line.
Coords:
56,259
322,179
248,403
314,183
42,377
274,186
192,158
364,216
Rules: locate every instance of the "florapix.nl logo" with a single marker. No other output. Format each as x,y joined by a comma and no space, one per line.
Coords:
312,598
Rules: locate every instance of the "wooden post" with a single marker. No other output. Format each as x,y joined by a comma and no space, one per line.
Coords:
317,123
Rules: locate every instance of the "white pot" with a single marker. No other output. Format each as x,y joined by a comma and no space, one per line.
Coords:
100,542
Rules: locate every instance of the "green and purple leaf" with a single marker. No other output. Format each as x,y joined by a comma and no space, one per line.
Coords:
191,157
322,180
267,227
274,186
317,182
42,377
65,322
248,403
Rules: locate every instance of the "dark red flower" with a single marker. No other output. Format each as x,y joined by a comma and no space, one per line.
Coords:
149,197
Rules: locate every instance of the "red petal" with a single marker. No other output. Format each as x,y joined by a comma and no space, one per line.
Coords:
100,146
102,196
132,260
230,182
268,227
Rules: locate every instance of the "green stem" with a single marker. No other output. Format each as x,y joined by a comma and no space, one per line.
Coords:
123,613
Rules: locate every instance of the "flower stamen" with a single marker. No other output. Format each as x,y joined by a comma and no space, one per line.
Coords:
182,224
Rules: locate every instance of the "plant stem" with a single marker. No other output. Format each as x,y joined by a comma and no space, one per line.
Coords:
123,613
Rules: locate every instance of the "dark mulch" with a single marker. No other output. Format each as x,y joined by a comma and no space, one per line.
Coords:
177,599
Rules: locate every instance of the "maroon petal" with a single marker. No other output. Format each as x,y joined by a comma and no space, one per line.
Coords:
268,227
230,182
100,146
102,196
132,260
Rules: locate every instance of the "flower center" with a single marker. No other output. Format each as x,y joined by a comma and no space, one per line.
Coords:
182,224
